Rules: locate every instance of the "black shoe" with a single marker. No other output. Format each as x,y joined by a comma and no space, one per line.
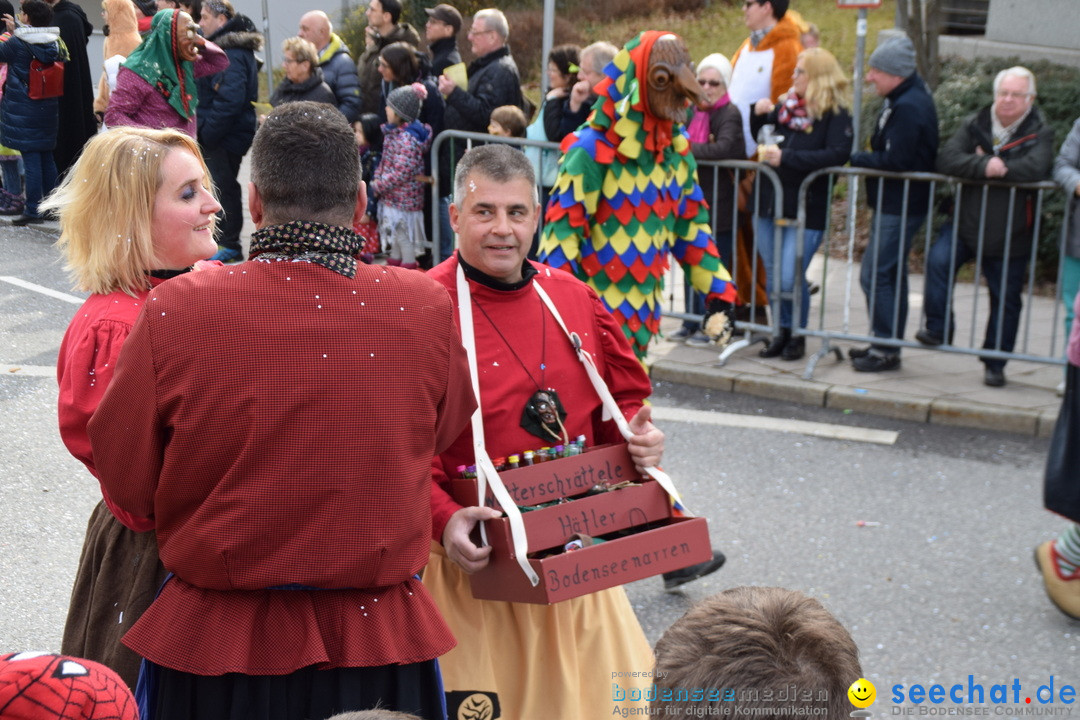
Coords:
858,352
675,578
874,362
777,344
795,349
27,220
926,337
994,377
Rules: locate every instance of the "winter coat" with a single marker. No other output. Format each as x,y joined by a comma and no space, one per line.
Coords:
1067,175
826,145
444,53
123,37
402,160
339,72
432,110
25,124
725,143
368,66
313,89
77,121
1029,156
226,115
493,81
905,139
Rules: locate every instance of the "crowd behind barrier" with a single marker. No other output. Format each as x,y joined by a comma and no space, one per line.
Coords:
851,327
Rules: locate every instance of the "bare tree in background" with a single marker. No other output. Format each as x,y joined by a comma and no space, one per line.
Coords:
922,21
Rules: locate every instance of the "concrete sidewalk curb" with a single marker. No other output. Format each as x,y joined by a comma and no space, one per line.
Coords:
938,411
49,226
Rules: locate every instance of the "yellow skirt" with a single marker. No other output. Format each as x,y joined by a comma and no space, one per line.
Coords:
575,660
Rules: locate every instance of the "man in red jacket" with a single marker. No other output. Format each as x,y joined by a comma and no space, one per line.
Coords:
276,420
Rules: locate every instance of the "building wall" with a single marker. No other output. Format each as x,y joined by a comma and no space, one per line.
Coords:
1051,23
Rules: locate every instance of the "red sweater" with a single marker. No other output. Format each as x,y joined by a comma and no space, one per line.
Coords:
277,421
504,385
84,369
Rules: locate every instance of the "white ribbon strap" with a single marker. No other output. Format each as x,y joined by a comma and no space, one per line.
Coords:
611,408
485,469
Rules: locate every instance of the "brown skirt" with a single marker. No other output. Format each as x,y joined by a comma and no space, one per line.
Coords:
119,575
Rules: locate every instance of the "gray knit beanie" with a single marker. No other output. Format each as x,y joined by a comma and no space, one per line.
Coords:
895,56
405,101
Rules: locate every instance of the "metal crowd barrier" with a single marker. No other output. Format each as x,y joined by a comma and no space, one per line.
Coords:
1032,344
831,330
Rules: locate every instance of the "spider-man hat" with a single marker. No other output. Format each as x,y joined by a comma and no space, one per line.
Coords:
44,686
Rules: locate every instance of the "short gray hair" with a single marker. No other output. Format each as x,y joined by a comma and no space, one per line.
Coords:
1016,71
598,55
494,19
498,161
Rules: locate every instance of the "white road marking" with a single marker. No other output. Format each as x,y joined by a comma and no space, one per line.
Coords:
802,427
42,289
28,370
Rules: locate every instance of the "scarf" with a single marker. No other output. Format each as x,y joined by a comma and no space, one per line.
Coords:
1002,134
332,246
794,115
698,129
157,61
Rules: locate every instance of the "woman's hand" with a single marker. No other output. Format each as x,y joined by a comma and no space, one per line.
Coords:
772,155
764,106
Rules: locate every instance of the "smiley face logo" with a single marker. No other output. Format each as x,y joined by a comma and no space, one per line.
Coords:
862,693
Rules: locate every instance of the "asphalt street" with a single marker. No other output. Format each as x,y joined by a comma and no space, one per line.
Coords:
936,585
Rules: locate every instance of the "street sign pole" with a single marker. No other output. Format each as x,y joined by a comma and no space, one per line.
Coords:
856,120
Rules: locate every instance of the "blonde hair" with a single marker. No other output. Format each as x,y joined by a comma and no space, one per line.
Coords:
106,207
828,88
302,50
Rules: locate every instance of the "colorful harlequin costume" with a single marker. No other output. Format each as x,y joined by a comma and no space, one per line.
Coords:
627,193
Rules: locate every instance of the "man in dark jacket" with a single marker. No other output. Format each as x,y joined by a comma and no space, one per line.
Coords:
382,29
226,117
1011,141
493,81
77,121
905,139
443,25
339,70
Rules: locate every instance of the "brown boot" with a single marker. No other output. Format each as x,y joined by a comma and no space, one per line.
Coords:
1063,591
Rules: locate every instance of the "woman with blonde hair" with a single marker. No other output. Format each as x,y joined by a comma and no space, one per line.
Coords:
135,209
812,124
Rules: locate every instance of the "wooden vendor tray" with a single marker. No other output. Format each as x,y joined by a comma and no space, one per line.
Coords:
555,479
668,545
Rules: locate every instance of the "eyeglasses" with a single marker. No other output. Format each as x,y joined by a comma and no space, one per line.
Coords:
473,33
710,83
1005,94
290,61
